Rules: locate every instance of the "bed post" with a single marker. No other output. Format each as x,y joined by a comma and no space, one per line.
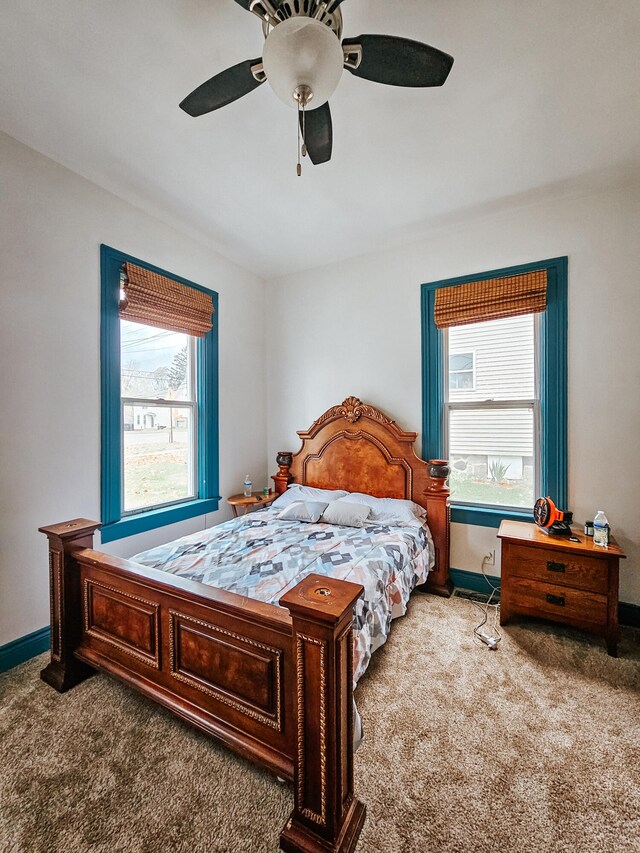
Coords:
438,518
64,671
283,477
327,818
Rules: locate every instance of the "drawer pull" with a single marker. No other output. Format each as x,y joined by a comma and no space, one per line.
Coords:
556,567
556,599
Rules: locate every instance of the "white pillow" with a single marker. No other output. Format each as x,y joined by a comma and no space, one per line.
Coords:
388,510
346,514
296,492
308,511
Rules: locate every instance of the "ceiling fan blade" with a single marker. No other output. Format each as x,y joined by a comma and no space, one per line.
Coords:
334,5
318,134
222,89
245,4
399,61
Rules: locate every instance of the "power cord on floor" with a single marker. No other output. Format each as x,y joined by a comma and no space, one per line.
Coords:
491,637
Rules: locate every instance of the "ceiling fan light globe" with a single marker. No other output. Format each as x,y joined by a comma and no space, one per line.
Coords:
299,52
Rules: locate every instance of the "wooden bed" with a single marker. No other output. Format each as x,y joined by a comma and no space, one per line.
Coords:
272,683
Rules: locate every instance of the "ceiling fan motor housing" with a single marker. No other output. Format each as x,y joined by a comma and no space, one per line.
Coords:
317,9
303,52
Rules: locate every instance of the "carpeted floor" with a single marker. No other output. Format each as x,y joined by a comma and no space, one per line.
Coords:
535,747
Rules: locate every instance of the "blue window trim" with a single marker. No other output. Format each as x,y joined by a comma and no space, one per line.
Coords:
553,386
114,527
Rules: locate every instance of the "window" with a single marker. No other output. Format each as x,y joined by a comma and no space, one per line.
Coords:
159,408
498,412
461,372
159,417
491,435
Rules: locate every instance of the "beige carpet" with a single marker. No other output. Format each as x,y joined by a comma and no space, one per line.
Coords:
535,747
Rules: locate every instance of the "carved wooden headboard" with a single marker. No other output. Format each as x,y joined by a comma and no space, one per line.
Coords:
356,447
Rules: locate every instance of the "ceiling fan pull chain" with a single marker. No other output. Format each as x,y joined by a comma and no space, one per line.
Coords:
299,169
304,132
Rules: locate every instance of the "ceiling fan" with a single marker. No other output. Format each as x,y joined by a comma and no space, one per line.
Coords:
303,59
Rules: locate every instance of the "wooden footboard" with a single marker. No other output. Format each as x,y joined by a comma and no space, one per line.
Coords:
274,687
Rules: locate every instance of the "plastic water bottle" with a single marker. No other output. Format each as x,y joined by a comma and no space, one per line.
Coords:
247,486
600,529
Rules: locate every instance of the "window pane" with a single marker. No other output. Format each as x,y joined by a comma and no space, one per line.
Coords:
504,359
461,381
491,452
158,457
463,361
155,363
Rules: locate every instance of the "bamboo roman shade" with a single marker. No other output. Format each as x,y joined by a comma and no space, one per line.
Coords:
155,300
491,299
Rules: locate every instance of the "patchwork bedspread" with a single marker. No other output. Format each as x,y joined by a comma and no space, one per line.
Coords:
262,556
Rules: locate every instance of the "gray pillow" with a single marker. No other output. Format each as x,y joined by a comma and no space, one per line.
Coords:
345,514
309,511
388,510
296,492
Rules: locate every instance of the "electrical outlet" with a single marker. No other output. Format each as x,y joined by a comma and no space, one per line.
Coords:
490,558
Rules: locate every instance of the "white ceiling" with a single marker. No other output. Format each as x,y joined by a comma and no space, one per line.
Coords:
542,94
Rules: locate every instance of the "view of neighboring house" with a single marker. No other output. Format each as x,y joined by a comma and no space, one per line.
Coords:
140,417
492,406
155,367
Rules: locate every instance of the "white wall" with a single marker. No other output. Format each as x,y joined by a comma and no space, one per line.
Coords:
354,328
51,225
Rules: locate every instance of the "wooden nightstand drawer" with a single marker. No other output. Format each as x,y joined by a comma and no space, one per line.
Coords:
564,604
557,567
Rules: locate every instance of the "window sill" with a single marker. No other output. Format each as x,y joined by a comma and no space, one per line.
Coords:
152,519
487,517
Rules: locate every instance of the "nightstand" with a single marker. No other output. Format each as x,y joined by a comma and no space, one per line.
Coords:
575,583
257,500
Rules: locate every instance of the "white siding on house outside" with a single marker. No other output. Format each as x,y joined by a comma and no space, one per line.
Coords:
504,369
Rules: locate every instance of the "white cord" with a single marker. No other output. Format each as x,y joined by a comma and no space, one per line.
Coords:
486,576
493,637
